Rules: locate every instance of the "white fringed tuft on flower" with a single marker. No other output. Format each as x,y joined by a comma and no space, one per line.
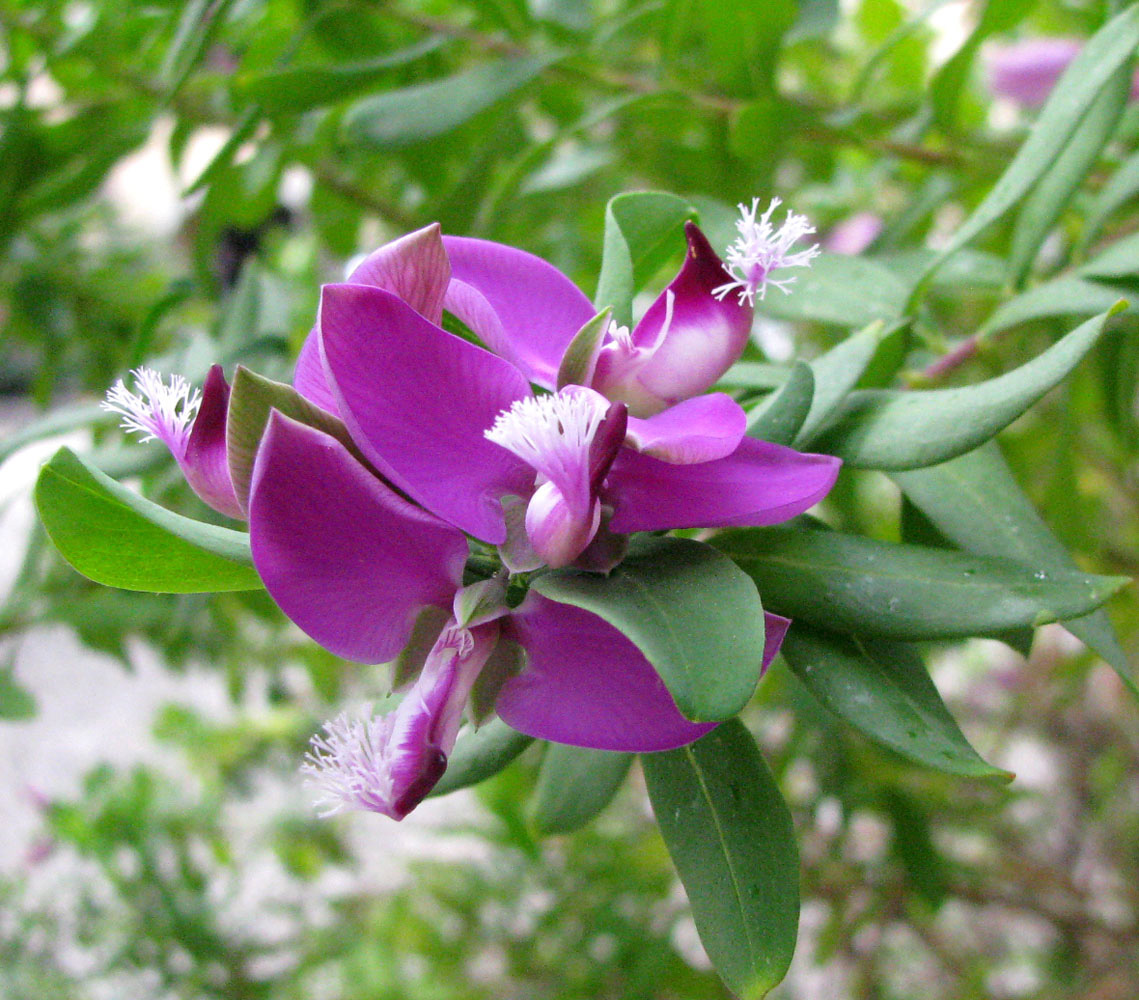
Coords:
157,409
761,249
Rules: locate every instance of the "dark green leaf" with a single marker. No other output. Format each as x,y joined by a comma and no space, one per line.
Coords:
414,114
731,838
894,429
480,754
301,88
779,417
696,617
642,229
574,785
848,583
975,502
120,539
883,690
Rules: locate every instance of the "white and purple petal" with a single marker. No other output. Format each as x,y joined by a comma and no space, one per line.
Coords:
699,429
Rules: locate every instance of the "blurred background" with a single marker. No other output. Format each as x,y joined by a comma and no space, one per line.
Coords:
176,181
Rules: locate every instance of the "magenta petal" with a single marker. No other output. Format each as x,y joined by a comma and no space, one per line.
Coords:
1028,70
538,308
760,483
417,400
414,268
774,629
585,684
696,430
346,559
204,463
309,378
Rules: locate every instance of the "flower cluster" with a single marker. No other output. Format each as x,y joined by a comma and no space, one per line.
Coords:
362,536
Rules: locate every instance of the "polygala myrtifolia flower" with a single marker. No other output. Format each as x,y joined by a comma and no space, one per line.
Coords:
190,423
546,473
360,568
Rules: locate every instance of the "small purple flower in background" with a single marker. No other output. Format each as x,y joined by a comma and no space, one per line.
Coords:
1026,71
190,423
853,234
760,250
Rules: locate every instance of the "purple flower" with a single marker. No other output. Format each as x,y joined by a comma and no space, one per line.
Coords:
760,250
355,565
1026,71
459,430
190,423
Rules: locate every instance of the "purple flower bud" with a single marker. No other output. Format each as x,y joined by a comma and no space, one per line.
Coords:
190,423
389,763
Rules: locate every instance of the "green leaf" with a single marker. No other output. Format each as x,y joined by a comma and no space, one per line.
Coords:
884,691
480,754
848,583
693,614
779,417
731,838
1067,105
16,703
574,785
1051,195
975,502
301,88
414,114
50,424
1061,297
1120,260
836,374
580,358
894,429
844,291
753,375
251,399
118,538
642,229
1117,192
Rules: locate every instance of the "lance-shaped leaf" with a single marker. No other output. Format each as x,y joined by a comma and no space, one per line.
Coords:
403,117
1120,260
849,583
893,429
1117,192
836,374
1069,102
883,690
574,785
480,754
1062,297
295,89
779,417
118,538
975,502
693,614
1051,195
730,836
641,230
845,291
251,399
